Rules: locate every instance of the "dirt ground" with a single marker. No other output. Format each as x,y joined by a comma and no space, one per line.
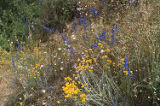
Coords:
4,88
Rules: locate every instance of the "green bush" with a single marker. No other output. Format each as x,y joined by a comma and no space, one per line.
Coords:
58,12
21,16
12,18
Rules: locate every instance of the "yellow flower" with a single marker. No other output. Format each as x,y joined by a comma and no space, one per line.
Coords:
122,59
109,61
87,56
86,84
32,88
90,70
114,63
68,78
75,92
58,102
68,96
90,49
86,51
105,56
108,50
20,103
89,90
100,94
24,96
78,60
94,59
24,87
38,65
82,95
118,64
100,44
31,95
83,100
126,72
75,97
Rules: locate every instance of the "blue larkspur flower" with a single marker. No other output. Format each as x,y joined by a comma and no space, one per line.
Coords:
114,101
114,29
102,36
69,48
72,53
47,29
94,45
74,27
19,46
96,13
126,67
84,39
103,3
65,39
13,63
24,21
83,21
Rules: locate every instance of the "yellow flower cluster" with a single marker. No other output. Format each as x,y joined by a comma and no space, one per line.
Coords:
83,97
100,44
85,64
126,72
71,89
33,72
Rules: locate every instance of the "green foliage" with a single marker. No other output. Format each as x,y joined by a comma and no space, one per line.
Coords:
19,16
58,12
11,18
4,43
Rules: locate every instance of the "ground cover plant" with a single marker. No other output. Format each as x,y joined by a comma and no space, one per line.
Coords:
98,56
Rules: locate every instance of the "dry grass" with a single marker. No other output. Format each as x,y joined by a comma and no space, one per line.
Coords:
5,90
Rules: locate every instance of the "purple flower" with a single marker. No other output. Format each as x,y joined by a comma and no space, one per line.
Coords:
83,21
68,48
49,67
140,14
96,13
84,39
74,27
135,37
102,36
19,46
94,45
114,100
103,3
65,39
114,29
126,67
50,89
72,53
48,29
131,19
39,1
24,21
13,64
